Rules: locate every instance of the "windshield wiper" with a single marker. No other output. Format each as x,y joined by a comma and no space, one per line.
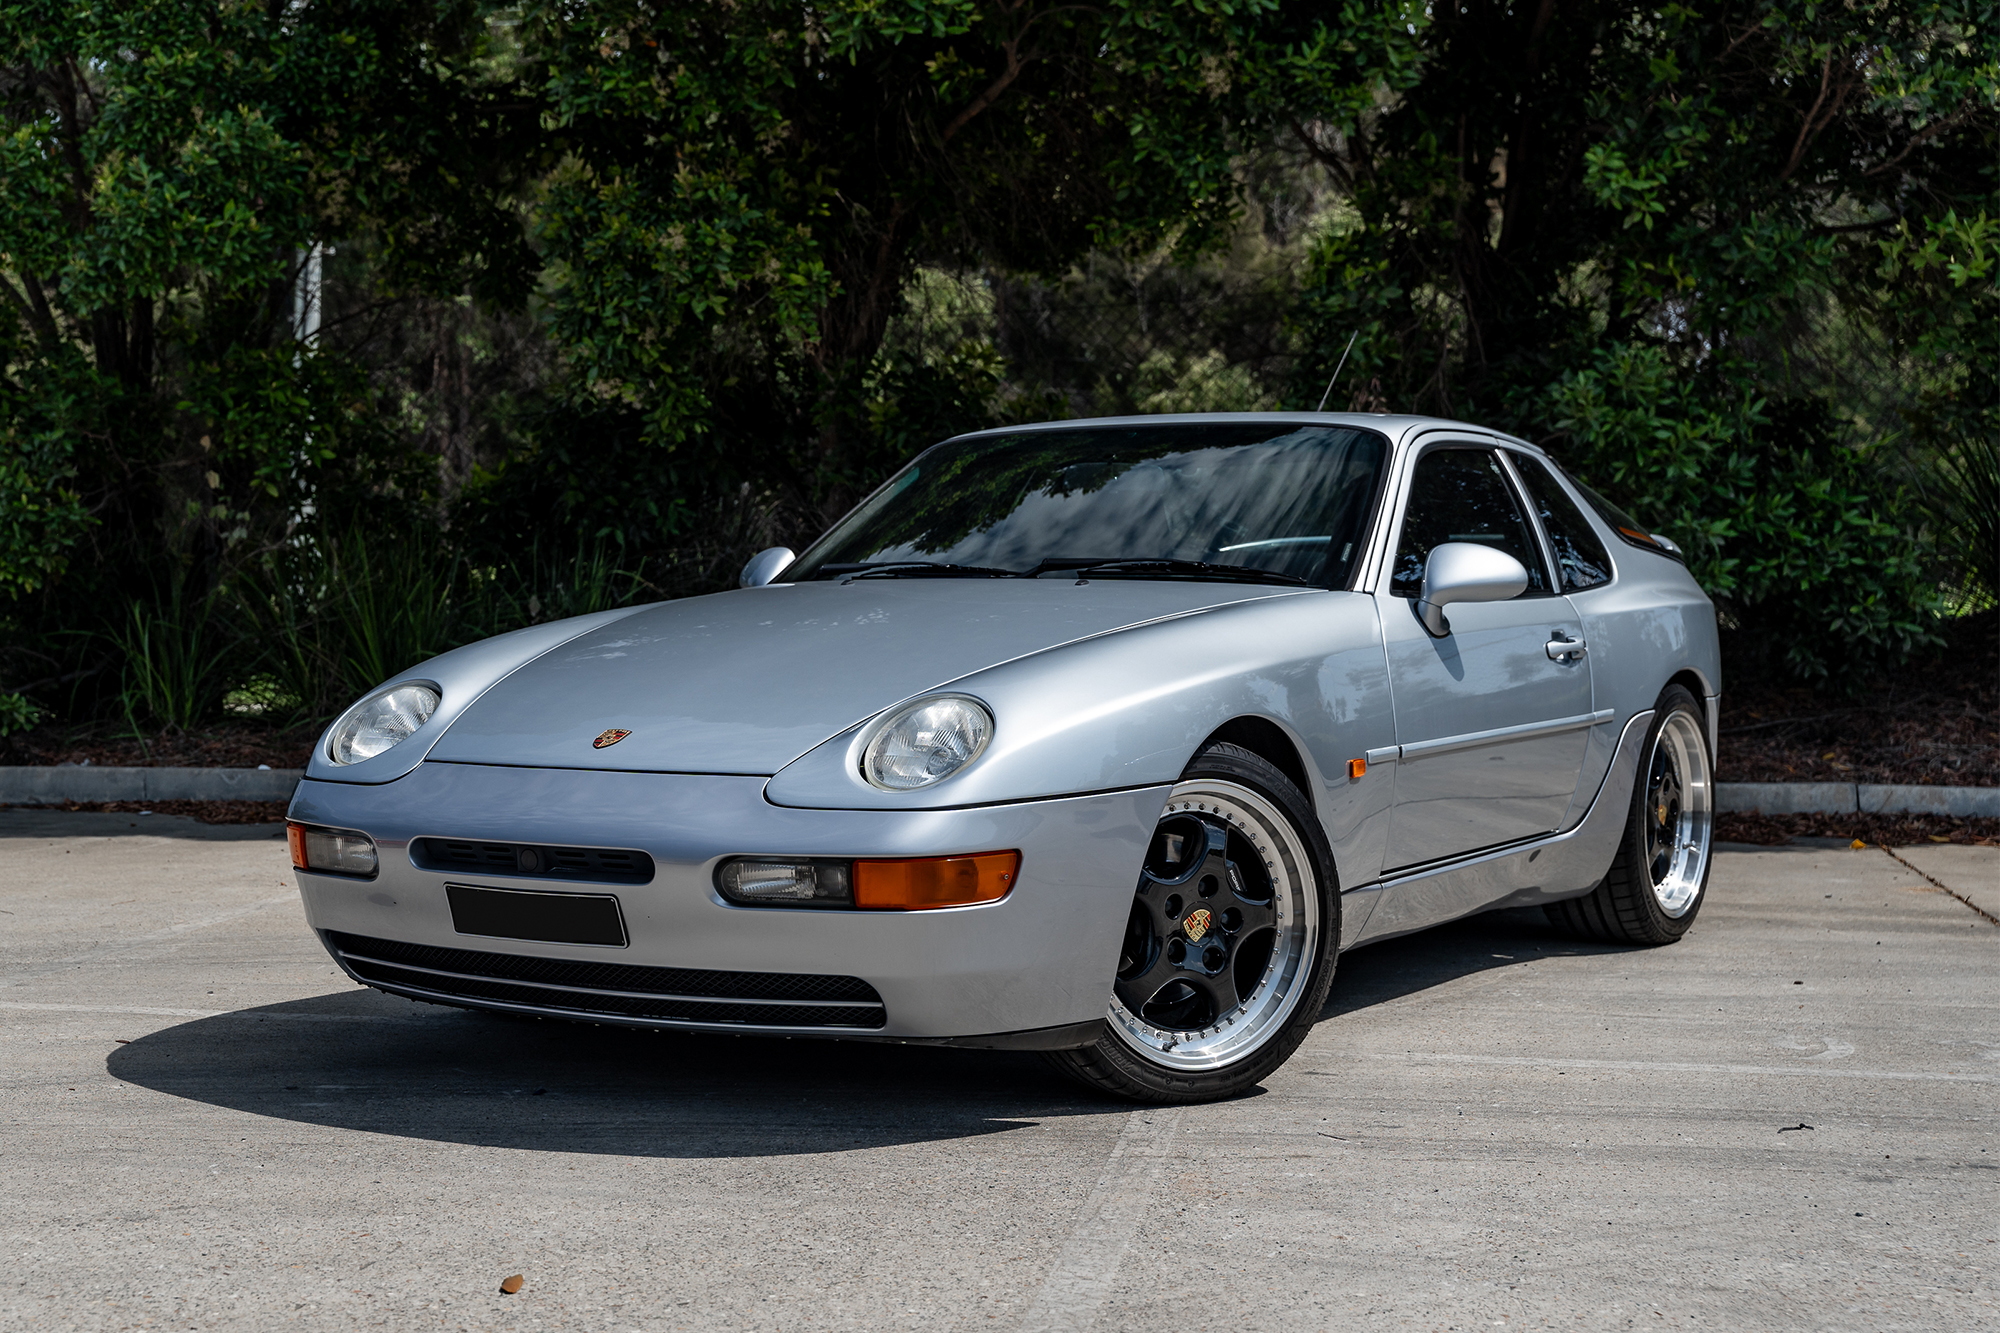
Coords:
916,569
1183,569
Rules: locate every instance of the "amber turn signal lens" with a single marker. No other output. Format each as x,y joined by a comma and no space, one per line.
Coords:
1357,768
935,881
295,836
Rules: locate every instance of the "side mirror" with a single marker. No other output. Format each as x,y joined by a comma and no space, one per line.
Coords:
1466,572
767,564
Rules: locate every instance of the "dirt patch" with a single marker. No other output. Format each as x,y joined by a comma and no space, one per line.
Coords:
225,745
206,812
1933,723
1877,830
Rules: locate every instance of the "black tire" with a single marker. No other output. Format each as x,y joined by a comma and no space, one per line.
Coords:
1626,907
1303,865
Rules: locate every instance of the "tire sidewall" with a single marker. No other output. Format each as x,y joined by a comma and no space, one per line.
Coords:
1231,763
1673,699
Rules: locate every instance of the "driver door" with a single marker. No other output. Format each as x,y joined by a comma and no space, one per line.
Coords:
1493,717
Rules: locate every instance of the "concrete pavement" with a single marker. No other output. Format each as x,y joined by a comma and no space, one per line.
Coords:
1786,1121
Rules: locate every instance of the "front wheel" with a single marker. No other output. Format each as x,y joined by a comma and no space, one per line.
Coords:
1659,878
1230,945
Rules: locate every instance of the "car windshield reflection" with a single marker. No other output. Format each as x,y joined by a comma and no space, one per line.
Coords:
1259,502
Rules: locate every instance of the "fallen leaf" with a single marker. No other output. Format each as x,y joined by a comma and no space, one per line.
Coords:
512,1284
1856,845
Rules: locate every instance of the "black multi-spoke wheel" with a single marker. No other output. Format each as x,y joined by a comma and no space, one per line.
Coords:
1657,881
1230,945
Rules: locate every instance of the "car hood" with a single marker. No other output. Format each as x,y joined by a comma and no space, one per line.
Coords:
747,681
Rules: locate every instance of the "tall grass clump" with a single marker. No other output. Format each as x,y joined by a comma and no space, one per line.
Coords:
329,619
175,657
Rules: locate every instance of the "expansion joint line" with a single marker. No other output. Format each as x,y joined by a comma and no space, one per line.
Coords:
1941,886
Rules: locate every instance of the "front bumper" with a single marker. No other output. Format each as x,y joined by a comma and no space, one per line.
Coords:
1042,958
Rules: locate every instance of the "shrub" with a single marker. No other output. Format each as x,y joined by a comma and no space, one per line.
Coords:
1794,534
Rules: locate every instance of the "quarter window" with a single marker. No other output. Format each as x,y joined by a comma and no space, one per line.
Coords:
1579,555
1461,495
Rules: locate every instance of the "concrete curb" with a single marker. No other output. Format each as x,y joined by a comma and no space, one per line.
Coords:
1847,798
53,784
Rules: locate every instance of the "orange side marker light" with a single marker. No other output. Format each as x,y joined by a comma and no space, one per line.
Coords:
1356,768
295,837
935,881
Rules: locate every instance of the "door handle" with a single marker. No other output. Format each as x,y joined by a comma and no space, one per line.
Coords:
1564,649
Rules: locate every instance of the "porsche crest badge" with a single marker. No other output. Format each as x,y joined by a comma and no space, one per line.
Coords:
1196,924
611,737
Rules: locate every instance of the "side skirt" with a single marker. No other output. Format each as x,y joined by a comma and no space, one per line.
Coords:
1526,874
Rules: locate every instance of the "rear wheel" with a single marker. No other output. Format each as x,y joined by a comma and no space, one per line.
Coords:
1660,876
1230,945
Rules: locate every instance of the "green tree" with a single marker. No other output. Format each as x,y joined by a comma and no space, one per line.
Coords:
750,187
165,167
1650,234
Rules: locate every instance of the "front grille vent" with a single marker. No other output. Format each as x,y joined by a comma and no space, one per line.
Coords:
620,992
597,865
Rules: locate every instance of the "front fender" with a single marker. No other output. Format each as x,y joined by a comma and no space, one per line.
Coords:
1129,709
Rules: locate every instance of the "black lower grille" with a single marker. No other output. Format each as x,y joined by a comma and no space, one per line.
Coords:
602,865
664,994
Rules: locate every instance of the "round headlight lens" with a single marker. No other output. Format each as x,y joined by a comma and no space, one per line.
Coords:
927,742
380,722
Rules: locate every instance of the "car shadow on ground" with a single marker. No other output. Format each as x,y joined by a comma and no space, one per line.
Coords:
1377,973
361,1060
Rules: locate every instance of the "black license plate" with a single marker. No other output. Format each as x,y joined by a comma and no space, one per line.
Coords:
522,914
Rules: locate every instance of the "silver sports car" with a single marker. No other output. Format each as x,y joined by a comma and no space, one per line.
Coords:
1099,738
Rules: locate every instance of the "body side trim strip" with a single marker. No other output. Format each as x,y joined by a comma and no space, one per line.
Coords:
1472,740
1408,876
1427,869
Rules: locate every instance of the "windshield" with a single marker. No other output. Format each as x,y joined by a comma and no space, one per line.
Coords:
1276,502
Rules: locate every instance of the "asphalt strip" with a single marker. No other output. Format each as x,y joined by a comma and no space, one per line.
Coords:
153,1011
158,936
1076,1286
1669,1067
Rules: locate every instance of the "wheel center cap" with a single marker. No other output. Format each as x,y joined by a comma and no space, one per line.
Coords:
1197,923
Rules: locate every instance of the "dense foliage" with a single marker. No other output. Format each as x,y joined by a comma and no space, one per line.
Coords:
1725,259
334,333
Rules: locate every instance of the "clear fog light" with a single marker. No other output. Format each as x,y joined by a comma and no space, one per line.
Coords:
330,851
786,883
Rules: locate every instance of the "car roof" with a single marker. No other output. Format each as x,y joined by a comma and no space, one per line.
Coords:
1400,428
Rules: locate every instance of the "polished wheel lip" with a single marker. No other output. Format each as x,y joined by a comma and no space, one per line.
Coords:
1269,1006
1679,813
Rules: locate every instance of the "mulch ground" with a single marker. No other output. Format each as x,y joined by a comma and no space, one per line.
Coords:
1877,830
224,745
1933,723
206,812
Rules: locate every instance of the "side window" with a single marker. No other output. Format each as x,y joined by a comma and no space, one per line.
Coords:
1461,495
1579,554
